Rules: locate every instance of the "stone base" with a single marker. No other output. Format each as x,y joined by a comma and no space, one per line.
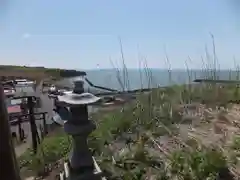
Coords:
85,176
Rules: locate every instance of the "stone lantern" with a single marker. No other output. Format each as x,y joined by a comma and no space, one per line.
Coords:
77,124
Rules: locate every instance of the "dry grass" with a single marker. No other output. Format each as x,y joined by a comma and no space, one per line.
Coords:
180,132
164,129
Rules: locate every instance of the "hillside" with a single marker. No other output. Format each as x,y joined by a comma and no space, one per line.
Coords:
36,73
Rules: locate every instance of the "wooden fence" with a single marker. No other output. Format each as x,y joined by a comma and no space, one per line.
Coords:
19,119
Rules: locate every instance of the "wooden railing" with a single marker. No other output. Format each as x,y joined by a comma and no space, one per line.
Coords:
8,164
18,119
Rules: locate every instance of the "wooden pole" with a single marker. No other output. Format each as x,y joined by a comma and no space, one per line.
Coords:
20,129
32,124
9,167
44,124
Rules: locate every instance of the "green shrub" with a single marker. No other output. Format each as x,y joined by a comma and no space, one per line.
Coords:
198,164
236,143
49,151
235,147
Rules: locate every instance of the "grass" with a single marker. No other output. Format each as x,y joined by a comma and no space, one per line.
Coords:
129,142
236,143
154,137
51,149
131,136
187,132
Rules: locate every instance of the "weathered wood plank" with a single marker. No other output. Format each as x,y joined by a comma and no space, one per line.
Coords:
9,167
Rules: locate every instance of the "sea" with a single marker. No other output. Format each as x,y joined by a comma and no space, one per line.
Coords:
132,79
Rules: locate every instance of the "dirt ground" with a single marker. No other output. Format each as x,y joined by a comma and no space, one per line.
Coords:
210,127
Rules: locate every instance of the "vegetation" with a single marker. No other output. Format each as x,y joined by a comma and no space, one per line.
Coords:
179,132
146,139
154,137
51,149
188,132
36,73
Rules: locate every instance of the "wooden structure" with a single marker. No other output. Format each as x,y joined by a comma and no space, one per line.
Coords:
31,99
17,120
8,164
216,81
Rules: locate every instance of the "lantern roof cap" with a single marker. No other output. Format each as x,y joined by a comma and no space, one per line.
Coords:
78,99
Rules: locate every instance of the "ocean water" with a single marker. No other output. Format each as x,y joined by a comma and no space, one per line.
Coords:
137,79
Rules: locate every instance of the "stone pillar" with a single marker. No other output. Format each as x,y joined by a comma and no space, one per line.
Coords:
79,127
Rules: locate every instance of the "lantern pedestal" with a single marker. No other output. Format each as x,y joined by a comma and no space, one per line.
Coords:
80,157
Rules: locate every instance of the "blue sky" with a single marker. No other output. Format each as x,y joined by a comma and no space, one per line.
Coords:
85,34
